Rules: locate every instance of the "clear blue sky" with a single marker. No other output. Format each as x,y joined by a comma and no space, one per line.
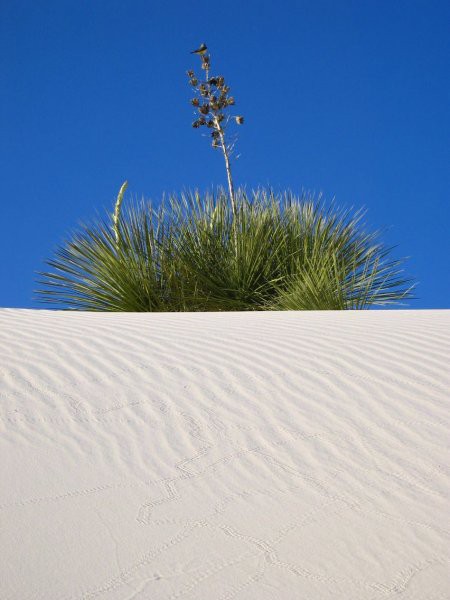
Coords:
349,98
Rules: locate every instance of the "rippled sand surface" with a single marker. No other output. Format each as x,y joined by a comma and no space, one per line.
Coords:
220,456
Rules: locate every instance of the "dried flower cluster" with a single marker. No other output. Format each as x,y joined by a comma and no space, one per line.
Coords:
211,100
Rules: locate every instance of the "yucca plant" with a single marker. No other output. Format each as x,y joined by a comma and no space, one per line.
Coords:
223,251
194,253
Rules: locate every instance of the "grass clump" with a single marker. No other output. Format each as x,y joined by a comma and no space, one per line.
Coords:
199,253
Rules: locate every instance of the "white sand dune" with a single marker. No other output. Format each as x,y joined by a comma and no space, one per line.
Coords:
247,456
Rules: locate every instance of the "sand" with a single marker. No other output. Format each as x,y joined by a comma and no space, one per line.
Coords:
247,456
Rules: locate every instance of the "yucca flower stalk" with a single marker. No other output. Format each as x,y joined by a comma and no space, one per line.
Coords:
117,208
212,101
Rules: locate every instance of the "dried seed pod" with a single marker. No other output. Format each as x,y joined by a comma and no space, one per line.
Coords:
212,101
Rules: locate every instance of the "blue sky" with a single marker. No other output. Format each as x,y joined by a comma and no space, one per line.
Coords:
347,98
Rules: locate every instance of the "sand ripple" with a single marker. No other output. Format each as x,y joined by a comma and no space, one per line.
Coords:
247,456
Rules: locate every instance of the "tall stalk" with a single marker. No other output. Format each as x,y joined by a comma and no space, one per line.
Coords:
212,100
228,169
